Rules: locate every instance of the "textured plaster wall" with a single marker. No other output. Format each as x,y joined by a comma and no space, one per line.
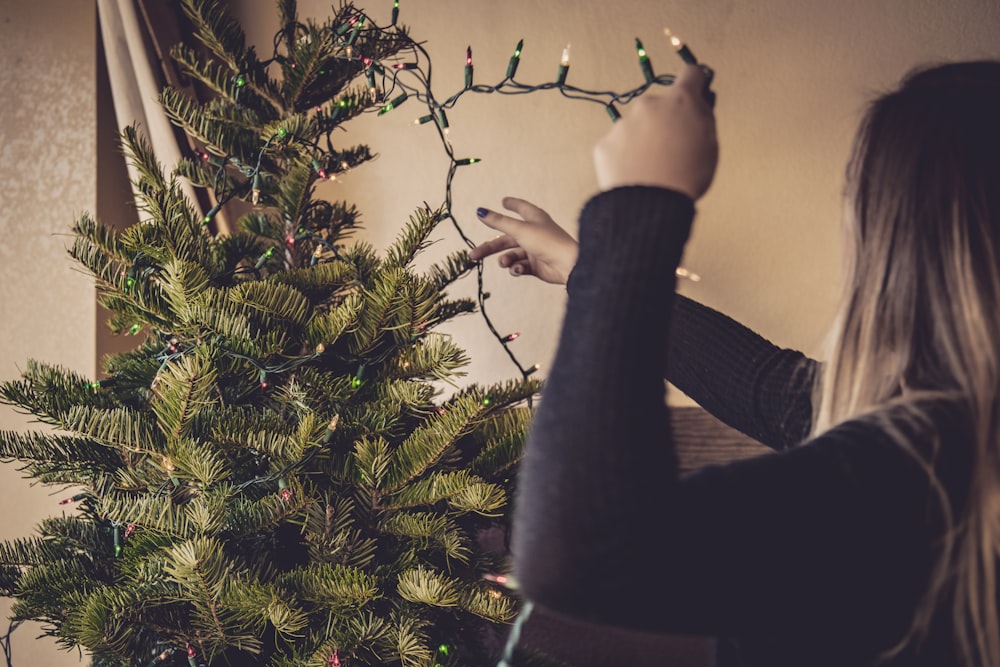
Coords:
47,177
791,75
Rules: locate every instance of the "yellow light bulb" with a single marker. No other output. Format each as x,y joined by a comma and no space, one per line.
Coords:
682,49
565,57
681,272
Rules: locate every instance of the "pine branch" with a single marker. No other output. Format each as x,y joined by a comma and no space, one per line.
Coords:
261,607
481,498
381,305
504,394
452,308
430,490
332,587
434,357
200,462
99,235
49,392
121,428
247,517
31,552
429,531
421,584
505,447
221,80
408,641
428,443
219,138
450,269
489,603
318,282
201,568
125,285
182,283
158,513
371,461
413,239
418,302
276,300
296,188
74,453
184,389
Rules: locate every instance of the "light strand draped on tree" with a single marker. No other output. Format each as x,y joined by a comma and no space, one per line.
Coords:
271,477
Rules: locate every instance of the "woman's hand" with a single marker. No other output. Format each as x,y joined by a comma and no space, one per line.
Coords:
665,140
535,244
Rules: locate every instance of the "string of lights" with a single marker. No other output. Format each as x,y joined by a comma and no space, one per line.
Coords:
409,76
391,83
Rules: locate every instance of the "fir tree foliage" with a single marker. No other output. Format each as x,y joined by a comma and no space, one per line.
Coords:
271,477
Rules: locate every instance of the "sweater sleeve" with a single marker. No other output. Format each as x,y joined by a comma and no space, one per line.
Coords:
822,538
740,377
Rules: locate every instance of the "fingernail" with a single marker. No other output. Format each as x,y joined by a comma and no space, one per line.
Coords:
482,212
517,270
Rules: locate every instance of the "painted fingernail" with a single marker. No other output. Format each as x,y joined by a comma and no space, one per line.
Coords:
482,212
517,270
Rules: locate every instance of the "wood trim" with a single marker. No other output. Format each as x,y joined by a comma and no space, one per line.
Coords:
703,440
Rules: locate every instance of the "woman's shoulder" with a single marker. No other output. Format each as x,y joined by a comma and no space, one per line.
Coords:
932,429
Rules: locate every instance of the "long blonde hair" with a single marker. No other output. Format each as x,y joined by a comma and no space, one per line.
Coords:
921,312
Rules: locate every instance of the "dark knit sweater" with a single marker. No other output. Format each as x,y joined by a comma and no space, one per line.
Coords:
815,555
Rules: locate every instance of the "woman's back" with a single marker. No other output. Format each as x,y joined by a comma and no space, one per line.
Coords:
876,539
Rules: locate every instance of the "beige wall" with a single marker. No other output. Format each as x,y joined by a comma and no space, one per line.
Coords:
792,76
47,176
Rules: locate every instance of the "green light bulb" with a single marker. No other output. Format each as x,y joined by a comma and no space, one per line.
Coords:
134,329
647,67
394,103
514,60
282,132
640,49
444,649
240,81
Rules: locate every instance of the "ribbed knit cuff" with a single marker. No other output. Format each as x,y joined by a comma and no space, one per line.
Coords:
631,238
642,225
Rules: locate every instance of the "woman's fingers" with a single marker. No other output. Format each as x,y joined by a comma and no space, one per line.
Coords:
508,259
492,246
524,208
522,268
499,221
667,141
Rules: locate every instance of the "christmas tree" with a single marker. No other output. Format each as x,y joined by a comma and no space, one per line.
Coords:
273,476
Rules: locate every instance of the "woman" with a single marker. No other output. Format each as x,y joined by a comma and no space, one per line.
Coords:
875,540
